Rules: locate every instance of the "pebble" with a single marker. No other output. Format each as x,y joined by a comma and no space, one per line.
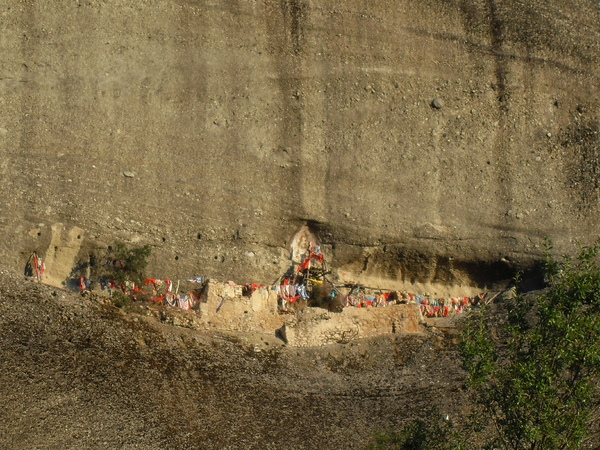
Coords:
437,103
128,174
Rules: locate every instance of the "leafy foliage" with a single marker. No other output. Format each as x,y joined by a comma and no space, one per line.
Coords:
127,264
535,383
420,435
120,300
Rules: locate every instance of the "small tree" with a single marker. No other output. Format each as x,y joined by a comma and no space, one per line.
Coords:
536,382
127,264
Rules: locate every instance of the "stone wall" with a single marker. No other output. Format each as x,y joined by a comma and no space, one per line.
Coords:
225,309
315,326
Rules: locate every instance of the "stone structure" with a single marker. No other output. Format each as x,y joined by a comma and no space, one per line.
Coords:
315,326
224,308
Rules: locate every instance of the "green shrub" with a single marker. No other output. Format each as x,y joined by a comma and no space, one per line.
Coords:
533,370
420,435
120,300
127,264
536,382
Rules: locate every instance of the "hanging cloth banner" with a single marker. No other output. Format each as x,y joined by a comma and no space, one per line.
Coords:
306,264
197,280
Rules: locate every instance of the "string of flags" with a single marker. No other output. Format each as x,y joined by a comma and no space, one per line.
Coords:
290,290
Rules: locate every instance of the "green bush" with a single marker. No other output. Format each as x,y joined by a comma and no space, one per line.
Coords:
120,300
533,369
127,264
420,435
536,382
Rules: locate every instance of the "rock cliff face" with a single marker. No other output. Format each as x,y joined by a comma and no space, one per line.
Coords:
431,141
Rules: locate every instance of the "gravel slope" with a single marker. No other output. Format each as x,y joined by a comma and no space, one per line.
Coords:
81,374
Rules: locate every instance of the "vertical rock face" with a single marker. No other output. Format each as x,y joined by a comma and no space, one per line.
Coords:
62,253
422,141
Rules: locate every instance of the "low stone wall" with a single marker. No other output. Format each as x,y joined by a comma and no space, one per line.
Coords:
315,326
225,308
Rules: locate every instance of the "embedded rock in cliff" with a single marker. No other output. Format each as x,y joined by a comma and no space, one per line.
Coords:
243,121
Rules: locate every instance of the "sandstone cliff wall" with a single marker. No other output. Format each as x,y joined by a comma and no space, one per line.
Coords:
238,121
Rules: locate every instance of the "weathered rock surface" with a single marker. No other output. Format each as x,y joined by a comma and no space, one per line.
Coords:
243,120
